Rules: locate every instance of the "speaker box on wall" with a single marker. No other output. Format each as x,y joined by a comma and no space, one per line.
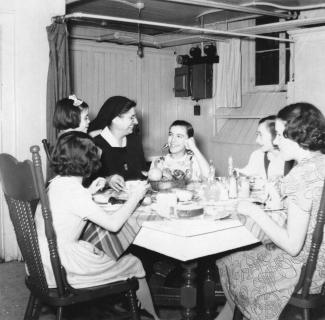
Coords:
202,81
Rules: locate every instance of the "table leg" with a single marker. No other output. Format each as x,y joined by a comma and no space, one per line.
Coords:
211,297
189,291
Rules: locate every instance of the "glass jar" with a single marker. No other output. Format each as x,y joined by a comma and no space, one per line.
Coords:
243,187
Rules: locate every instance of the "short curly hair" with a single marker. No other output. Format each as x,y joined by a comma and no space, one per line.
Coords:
75,154
304,124
66,115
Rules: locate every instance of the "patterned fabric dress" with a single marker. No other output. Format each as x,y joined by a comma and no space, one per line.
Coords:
260,281
186,167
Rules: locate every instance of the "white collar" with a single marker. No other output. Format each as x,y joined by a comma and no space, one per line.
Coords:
111,139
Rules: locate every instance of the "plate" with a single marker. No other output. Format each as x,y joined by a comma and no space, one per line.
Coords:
100,198
274,209
218,216
121,195
110,207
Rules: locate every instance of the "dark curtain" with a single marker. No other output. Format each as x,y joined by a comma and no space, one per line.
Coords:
58,78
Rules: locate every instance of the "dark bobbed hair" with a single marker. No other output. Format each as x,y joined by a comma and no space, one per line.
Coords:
183,123
66,115
304,124
75,154
270,124
113,107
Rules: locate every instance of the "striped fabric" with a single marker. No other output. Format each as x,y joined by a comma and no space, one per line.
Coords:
114,244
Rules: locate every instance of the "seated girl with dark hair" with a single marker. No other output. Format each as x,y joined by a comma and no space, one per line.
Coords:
184,157
266,162
75,157
71,114
260,281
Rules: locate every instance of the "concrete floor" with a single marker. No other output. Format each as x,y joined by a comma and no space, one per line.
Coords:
14,297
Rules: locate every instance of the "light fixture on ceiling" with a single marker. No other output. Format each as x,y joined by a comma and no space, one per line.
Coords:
140,46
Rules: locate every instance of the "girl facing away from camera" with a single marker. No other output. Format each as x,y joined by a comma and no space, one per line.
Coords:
75,157
71,114
260,281
184,159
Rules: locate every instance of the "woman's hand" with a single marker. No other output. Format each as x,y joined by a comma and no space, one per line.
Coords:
116,182
97,185
249,209
190,144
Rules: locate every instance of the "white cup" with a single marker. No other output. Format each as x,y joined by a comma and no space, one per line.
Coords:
166,204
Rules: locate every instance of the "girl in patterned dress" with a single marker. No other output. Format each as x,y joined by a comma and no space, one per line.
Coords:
261,280
184,160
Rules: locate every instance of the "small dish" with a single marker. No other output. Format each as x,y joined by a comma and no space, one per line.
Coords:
217,216
274,209
110,207
100,198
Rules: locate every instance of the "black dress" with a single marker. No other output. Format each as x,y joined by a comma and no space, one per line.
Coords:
126,161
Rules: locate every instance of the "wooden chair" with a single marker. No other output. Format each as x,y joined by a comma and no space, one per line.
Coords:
23,186
301,298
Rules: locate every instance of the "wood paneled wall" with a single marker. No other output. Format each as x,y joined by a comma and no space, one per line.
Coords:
100,71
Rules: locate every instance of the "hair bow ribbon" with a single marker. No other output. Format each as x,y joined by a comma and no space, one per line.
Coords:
76,101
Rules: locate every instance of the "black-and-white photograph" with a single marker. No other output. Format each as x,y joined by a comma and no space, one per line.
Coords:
162,159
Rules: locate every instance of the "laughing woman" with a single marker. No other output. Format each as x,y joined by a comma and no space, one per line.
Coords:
122,153
184,157
260,281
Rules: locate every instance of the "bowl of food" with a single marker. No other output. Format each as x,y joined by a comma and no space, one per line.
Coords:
161,185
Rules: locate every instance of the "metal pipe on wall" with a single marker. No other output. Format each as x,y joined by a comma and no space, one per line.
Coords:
170,25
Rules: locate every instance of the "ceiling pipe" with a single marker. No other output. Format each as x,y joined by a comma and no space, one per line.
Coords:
170,25
165,43
269,4
282,26
283,7
230,7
